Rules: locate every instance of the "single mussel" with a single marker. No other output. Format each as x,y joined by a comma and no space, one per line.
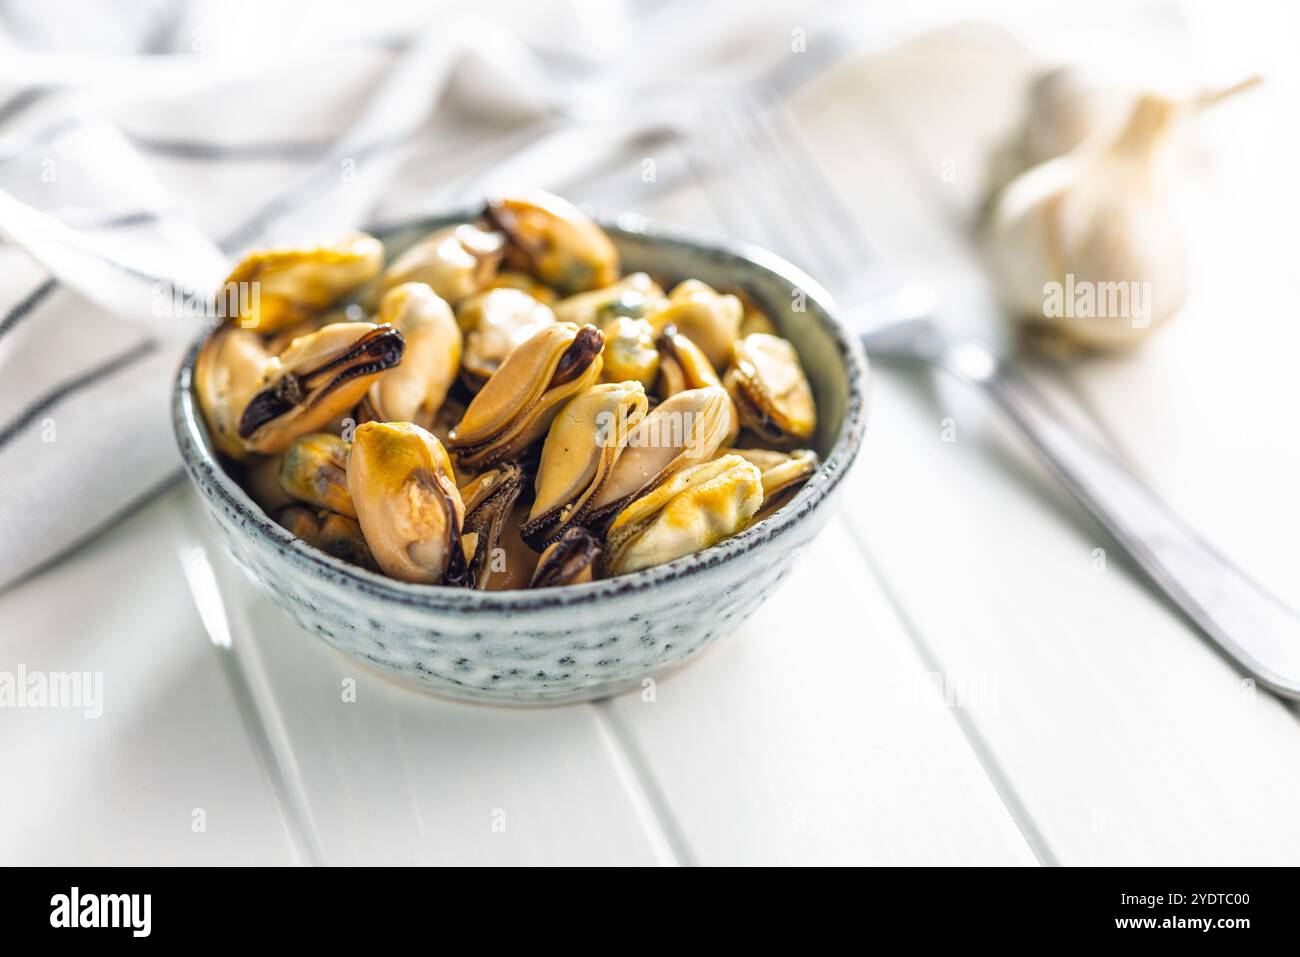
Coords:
260,478
456,262
276,287
694,509
708,318
516,406
402,484
630,351
756,318
783,473
334,534
414,390
681,431
552,239
317,378
682,366
635,296
489,503
495,323
227,374
314,470
770,390
569,560
582,446
303,522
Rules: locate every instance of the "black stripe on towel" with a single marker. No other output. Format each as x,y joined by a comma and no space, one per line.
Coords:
207,152
93,533
27,306
107,222
22,100
43,136
84,380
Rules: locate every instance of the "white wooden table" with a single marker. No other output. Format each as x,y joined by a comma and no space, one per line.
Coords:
947,678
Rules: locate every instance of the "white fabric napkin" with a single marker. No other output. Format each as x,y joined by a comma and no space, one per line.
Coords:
137,163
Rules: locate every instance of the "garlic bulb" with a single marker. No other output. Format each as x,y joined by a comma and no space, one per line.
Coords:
1067,106
1087,246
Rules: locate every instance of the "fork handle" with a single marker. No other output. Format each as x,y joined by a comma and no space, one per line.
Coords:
1254,628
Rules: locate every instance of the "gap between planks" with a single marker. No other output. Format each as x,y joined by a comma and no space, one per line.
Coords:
1006,791
647,797
246,678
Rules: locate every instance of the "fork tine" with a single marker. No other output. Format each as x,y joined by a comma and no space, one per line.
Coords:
786,198
790,148
724,163
764,185
759,191
791,188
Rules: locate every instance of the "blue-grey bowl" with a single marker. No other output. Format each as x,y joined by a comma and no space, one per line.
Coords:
582,641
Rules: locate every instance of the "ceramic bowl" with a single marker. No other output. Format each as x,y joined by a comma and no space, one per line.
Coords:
583,641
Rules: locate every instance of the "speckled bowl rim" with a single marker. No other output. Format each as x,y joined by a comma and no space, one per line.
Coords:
212,480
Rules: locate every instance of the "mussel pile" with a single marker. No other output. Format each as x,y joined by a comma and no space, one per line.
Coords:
500,407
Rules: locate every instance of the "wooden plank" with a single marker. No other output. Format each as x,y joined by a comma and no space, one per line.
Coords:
1206,410
816,735
1122,732
125,787
393,776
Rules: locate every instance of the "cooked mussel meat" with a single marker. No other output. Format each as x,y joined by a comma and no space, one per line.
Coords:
554,240
569,560
413,390
529,416
526,283
402,484
319,377
495,323
682,366
681,431
708,318
275,287
227,374
783,473
697,507
314,469
635,296
489,503
630,351
516,406
334,534
456,262
770,391
582,447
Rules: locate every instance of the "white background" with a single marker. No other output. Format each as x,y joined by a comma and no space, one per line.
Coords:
1091,725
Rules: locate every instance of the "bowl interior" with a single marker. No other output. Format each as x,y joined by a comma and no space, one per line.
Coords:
801,310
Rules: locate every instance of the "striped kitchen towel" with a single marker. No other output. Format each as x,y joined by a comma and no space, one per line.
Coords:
145,146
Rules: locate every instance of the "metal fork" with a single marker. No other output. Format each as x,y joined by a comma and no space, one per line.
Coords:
764,185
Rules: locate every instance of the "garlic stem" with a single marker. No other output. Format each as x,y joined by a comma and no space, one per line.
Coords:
1209,98
1147,126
